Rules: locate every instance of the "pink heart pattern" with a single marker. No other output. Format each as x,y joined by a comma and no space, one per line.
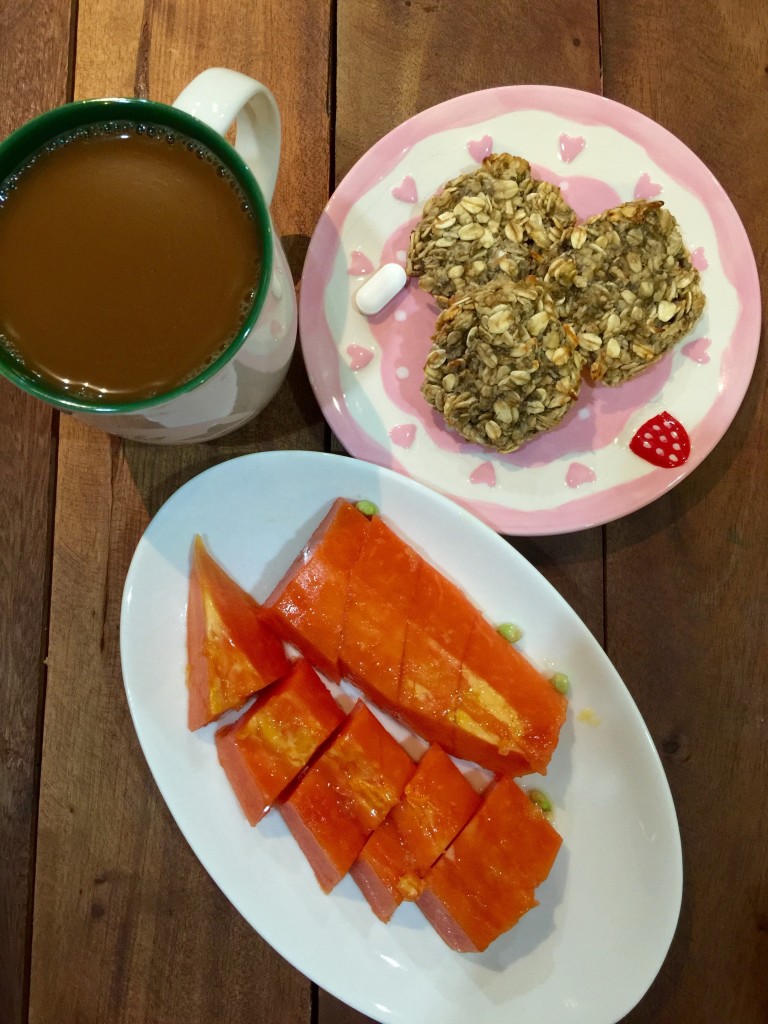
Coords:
579,474
699,259
358,356
359,264
484,474
403,434
570,147
645,188
406,190
479,149
697,350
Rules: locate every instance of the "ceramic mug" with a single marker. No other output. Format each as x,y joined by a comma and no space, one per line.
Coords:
245,376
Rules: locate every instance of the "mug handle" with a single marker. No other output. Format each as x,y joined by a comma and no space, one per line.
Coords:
218,97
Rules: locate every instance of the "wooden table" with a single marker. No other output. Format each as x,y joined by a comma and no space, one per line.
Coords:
105,914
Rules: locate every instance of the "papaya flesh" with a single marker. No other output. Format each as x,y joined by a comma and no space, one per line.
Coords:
418,648
232,651
436,804
268,746
345,794
486,880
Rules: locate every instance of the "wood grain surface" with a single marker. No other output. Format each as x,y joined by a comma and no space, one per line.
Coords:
127,925
106,917
689,637
34,75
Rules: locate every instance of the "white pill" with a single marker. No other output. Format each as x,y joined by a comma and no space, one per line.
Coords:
380,289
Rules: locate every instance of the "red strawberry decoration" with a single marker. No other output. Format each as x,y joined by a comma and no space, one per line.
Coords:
662,441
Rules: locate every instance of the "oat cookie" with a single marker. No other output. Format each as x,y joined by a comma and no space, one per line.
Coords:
625,284
502,367
497,221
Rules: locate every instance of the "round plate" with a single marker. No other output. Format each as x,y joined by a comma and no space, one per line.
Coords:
608,910
367,372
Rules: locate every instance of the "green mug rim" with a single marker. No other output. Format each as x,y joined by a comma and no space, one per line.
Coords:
24,142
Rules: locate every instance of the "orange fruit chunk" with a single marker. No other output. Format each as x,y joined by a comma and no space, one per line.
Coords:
345,794
485,881
307,606
381,586
266,748
508,715
362,603
437,802
232,652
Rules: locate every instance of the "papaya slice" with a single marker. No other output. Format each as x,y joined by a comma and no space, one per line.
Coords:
360,602
307,606
440,620
436,804
381,586
429,688
486,880
508,716
441,610
345,794
266,748
232,652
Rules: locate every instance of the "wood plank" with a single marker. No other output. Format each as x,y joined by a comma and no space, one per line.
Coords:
26,503
395,59
128,927
33,77
687,618
418,74
425,52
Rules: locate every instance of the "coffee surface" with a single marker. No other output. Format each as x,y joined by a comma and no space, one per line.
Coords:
128,261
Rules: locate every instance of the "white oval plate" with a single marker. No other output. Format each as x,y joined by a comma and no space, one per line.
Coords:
609,909
367,371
